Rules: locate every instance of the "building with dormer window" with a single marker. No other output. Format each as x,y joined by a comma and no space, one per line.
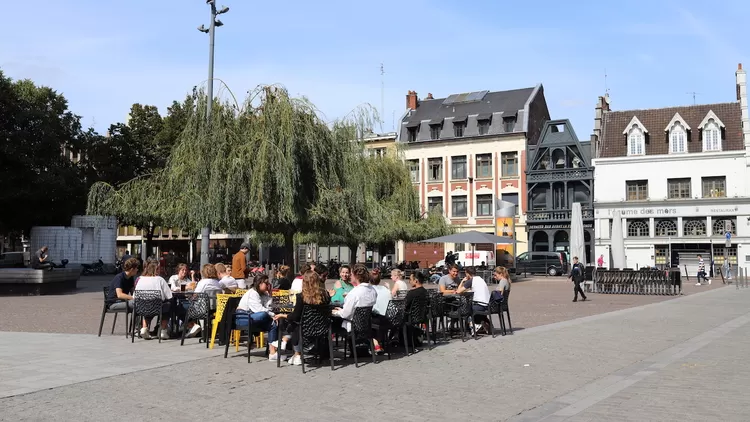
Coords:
466,152
679,178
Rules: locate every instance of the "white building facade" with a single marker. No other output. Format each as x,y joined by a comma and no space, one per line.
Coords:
679,179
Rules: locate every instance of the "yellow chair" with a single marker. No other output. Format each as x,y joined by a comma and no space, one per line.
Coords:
240,291
221,303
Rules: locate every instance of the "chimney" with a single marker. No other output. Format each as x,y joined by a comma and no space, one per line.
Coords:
412,102
602,107
741,77
429,96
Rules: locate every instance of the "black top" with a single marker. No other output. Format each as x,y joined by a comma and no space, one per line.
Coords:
415,293
296,314
282,283
577,272
122,282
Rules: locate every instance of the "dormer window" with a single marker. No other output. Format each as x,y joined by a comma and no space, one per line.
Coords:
678,134
412,131
711,129
459,126
636,137
483,123
436,126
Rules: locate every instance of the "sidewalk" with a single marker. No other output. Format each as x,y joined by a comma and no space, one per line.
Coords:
676,360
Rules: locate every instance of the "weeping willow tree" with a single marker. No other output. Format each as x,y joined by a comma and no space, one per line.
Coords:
392,210
270,165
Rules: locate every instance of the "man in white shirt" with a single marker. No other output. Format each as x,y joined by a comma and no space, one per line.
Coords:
361,296
481,296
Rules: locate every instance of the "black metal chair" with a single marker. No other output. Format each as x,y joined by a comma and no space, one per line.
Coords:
437,313
461,311
506,310
315,325
146,304
229,317
105,310
199,310
487,312
395,321
416,316
361,329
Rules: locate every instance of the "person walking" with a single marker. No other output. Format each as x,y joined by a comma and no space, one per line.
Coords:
600,261
577,275
702,275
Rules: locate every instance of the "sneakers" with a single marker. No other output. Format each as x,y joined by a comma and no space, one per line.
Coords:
275,356
698,284
145,334
295,360
194,330
164,334
709,281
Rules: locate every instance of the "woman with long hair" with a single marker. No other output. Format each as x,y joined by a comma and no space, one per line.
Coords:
282,280
256,303
151,280
501,275
313,294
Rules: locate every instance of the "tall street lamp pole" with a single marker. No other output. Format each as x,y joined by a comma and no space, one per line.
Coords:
211,31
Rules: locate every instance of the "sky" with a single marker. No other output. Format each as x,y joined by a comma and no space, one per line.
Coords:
105,56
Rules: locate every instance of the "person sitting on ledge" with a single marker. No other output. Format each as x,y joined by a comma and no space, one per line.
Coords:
40,260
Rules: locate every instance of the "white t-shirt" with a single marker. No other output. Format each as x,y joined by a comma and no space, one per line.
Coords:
175,282
208,285
384,296
229,282
297,285
481,292
155,283
401,285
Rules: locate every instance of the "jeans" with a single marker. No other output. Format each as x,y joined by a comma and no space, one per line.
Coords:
261,321
577,289
117,306
479,318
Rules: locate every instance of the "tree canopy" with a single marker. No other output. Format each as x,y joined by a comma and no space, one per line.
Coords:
273,165
38,136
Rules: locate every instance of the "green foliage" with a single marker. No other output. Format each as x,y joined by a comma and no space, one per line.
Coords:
274,167
41,185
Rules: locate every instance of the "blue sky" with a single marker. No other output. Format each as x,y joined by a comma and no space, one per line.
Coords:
104,56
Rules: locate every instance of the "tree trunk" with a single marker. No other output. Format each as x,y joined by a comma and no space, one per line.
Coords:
289,250
352,253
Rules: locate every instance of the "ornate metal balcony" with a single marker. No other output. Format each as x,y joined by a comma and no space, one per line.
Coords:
554,175
557,215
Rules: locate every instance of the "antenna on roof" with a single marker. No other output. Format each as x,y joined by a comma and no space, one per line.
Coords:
694,94
382,96
606,88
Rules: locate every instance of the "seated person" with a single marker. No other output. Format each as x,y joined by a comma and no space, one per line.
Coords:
476,284
226,281
209,281
343,285
256,303
322,272
418,290
181,278
118,296
448,282
380,308
150,280
399,285
361,296
282,280
313,294
297,282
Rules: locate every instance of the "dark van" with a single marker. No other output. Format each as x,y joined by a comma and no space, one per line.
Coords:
552,263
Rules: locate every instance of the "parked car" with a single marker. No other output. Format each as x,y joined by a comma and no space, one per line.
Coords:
12,260
552,263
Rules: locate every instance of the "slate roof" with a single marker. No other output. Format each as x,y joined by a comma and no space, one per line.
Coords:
494,104
614,143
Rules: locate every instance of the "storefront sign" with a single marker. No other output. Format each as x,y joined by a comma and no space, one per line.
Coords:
556,226
675,211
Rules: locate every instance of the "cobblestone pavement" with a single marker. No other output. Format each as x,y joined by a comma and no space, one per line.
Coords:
534,301
677,359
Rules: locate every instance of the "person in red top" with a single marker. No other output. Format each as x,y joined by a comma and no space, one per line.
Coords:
239,266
